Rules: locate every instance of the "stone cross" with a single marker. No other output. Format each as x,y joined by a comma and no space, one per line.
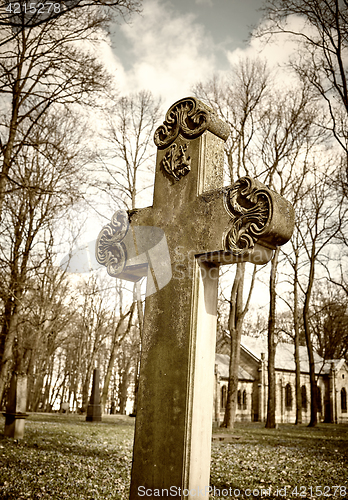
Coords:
198,224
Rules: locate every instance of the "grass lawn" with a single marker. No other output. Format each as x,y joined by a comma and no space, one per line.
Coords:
64,457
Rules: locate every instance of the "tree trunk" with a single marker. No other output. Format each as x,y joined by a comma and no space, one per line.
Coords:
235,327
123,389
85,388
271,420
115,345
8,336
137,359
38,386
297,346
8,150
298,373
313,420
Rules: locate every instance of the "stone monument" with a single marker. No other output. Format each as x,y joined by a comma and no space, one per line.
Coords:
196,225
94,406
16,407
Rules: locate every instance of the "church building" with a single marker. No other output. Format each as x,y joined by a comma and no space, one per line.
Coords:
332,383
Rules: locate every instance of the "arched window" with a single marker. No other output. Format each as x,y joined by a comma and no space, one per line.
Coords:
288,396
319,404
223,397
244,400
239,400
304,398
343,400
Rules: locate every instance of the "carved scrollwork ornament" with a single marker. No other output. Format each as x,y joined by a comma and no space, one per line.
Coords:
110,250
176,163
258,215
190,118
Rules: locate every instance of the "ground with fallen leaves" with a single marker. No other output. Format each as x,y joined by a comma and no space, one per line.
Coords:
64,457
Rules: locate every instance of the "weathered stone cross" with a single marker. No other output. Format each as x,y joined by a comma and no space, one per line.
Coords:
198,224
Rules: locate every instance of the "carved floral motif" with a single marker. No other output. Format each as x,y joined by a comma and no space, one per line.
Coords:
250,204
175,162
110,251
190,118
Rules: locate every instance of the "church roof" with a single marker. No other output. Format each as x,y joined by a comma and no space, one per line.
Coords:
284,357
336,364
223,360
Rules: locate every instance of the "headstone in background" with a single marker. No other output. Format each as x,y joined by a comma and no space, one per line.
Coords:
16,407
94,407
64,407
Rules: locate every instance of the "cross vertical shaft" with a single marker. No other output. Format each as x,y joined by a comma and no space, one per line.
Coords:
195,224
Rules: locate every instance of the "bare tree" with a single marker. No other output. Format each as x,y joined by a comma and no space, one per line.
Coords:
239,100
128,161
94,329
127,169
294,260
47,183
121,327
319,220
272,134
321,29
329,321
235,325
45,319
47,68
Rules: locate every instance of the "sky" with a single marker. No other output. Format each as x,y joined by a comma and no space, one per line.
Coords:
174,44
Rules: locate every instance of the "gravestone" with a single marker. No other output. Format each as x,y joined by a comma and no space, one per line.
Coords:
94,406
197,225
64,407
16,407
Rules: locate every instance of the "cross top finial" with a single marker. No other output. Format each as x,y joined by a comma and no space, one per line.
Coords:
190,118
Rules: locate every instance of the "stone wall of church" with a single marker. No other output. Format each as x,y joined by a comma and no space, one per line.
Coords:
341,390
245,395
286,397
251,396
332,397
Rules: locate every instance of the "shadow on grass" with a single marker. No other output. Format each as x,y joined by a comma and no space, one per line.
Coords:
74,419
323,436
72,435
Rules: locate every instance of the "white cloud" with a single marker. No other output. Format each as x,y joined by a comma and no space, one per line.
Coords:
170,52
276,52
205,2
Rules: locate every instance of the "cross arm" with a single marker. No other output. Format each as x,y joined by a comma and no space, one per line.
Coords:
131,245
243,222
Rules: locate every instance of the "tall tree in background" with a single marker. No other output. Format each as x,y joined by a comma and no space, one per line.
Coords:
329,321
45,68
236,317
94,329
48,181
128,160
293,257
272,133
321,29
120,328
237,100
45,319
319,220
48,72
127,170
